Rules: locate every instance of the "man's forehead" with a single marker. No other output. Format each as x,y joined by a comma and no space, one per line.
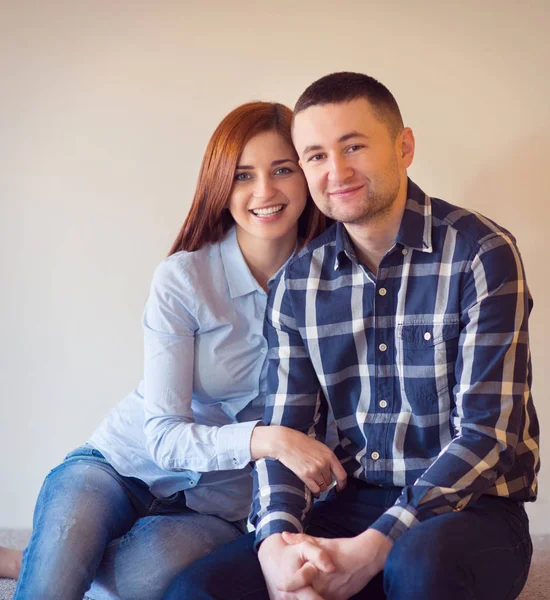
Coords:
332,121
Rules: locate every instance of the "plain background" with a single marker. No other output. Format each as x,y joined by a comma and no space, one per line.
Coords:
105,110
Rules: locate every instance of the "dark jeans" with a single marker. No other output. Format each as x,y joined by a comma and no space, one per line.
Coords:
483,552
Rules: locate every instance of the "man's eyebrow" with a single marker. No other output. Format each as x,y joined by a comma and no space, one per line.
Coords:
351,135
314,148
273,164
347,136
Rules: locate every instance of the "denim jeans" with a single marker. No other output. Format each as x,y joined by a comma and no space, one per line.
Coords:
482,552
92,524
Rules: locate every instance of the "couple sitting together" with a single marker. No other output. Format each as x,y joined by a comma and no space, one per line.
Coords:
359,341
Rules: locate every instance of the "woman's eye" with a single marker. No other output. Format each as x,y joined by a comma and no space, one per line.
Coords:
354,148
242,177
283,171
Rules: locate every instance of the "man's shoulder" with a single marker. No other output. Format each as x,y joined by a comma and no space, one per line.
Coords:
471,227
320,247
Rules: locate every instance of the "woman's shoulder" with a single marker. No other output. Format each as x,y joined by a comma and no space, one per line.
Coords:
189,270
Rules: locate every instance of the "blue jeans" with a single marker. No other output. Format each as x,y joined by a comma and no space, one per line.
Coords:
92,524
483,553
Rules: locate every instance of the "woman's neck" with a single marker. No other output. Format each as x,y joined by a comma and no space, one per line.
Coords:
265,257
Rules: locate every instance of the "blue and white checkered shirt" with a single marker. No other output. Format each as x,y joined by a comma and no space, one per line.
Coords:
426,367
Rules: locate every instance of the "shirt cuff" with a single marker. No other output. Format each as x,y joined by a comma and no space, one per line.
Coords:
396,521
276,522
233,445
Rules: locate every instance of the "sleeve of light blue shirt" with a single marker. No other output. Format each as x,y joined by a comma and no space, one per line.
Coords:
173,439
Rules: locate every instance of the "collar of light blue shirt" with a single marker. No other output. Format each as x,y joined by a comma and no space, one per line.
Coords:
239,278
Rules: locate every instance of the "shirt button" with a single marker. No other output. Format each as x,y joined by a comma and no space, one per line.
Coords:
427,336
191,482
382,291
263,350
404,252
235,461
375,456
382,347
383,404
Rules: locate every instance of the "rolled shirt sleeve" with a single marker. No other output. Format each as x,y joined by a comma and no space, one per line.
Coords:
281,501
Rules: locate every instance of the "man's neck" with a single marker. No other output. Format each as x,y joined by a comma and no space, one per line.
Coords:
265,257
373,239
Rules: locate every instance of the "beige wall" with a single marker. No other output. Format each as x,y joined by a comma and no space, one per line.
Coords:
105,110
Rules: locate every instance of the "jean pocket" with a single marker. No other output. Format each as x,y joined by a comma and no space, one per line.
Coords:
86,451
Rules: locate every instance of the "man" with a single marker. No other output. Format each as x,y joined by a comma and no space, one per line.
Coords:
408,318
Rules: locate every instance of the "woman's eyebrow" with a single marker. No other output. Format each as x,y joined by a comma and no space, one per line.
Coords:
281,161
273,164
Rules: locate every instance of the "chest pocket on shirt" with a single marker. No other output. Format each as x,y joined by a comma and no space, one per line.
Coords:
426,355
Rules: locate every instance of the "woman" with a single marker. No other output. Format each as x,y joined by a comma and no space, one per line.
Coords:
165,478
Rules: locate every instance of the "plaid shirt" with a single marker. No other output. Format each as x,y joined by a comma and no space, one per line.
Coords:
426,367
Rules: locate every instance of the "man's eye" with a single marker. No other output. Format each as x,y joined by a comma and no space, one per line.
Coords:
355,147
315,157
242,177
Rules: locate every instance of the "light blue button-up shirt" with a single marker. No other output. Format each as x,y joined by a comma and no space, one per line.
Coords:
188,424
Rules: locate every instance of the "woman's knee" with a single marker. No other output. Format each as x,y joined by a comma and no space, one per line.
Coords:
80,508
78,491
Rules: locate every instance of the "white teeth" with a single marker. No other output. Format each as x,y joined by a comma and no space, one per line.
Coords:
271,210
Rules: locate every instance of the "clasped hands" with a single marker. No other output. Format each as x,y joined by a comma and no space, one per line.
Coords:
302,567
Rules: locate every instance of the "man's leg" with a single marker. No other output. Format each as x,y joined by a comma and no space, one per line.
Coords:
233,571
481,552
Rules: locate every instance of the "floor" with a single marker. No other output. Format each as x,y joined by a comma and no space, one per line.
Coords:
537,588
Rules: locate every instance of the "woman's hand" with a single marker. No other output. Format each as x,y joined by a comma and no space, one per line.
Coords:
313,462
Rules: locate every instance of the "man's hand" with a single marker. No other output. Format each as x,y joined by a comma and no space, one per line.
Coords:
295,565
357,561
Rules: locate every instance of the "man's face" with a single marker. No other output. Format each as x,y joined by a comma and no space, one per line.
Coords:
354,168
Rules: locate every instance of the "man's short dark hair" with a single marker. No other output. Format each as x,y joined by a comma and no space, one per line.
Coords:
345,87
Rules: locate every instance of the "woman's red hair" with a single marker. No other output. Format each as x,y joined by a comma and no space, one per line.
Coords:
207,220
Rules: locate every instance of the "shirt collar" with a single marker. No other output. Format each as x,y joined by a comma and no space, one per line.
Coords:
416,225
415,231
239,277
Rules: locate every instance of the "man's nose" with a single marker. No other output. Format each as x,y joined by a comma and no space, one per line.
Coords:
339,169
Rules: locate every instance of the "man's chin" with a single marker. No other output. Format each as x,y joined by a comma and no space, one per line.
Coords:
351,219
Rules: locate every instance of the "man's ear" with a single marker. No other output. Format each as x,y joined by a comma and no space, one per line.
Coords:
300,165
406,146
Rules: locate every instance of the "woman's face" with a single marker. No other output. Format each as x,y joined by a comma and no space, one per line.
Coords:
269,191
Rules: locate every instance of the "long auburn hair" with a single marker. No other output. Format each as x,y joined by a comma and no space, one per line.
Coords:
207,221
